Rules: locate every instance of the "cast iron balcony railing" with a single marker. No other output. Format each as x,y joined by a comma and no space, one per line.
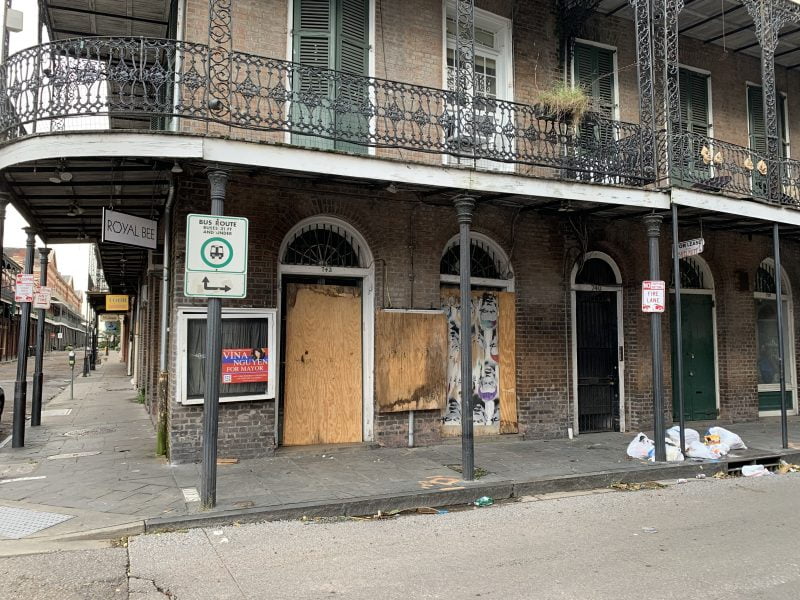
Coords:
102,83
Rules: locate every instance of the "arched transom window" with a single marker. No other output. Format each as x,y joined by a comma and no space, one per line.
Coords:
323,245
487,261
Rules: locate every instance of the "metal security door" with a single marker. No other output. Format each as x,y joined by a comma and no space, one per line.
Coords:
699,380
598,361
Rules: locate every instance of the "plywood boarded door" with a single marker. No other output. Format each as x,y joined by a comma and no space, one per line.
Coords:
322,387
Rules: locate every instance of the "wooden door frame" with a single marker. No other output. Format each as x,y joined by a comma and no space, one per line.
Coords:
367,276
620,333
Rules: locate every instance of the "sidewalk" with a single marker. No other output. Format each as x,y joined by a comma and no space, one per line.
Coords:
95,467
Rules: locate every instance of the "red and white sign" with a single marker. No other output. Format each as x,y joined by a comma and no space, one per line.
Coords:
24,290
654,296
245,365
42,297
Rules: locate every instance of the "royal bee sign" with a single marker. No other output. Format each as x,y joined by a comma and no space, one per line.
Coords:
116,302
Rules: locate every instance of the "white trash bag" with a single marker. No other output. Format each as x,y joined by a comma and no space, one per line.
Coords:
719,450
755,471
728,437
700,450
674,454
691,435
640,446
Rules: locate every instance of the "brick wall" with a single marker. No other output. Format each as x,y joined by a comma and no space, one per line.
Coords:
407,237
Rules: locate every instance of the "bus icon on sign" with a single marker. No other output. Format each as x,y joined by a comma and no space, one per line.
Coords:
217,252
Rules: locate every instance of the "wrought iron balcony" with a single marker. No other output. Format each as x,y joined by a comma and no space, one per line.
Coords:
704,163
125,83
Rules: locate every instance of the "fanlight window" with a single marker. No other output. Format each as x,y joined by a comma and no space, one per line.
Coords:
484,262
765,278
323,245
596,271
693,275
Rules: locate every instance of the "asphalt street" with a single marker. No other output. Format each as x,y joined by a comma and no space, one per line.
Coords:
710,539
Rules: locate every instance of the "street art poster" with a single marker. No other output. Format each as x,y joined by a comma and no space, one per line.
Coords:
245,365
485,361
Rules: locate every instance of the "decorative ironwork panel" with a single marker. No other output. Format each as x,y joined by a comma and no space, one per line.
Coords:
484,263
644,66
465,124
765,278
322,246
220,43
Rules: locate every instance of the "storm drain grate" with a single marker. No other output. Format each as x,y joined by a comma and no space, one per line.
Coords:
16,523
771,463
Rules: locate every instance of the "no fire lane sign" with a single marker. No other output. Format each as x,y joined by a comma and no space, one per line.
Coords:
216,256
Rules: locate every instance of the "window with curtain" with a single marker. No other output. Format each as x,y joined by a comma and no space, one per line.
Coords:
331,34
251,333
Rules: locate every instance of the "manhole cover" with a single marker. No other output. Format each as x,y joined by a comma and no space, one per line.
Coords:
16,523
90,431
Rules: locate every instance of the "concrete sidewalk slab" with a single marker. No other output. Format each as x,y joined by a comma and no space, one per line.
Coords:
108,477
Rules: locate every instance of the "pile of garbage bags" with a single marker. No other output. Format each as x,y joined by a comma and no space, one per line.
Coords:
717,442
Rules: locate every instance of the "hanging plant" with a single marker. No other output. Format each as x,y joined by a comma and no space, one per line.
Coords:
562,102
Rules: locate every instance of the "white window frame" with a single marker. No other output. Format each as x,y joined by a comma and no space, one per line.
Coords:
503,56
186,313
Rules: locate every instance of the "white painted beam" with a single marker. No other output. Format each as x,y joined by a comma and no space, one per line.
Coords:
743,208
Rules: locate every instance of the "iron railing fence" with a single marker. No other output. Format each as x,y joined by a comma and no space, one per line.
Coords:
158,84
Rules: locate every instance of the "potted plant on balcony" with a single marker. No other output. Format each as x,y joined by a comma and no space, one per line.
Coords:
563,102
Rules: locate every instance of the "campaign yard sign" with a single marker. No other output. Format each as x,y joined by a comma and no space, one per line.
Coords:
245,365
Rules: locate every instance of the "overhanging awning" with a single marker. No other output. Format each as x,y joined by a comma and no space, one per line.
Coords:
128,18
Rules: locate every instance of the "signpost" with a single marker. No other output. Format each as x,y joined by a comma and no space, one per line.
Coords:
654,296
691,247
216,257
24,289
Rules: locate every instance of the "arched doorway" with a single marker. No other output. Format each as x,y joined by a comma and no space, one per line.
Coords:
597,345
699,342
769,395
326,280
493,338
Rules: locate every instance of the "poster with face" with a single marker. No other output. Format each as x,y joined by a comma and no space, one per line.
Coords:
485,356
245,365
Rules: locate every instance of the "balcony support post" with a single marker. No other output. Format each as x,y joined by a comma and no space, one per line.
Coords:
769,16
464,84
776,242
465,205
220,48
644,66
652,223
21,383
668,94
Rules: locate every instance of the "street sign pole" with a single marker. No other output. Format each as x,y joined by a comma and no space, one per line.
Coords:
218,180
653,224
21,384
38,375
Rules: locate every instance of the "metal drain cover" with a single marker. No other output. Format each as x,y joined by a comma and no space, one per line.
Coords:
16,523
90,431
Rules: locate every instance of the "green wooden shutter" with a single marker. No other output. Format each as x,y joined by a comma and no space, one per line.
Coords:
312,37
594,72
352,57
755,113
694,120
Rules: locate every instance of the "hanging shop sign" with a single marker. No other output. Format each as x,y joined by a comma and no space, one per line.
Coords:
216,256
24,289
654,296
123,228
245,365
116,302
42,297
691,247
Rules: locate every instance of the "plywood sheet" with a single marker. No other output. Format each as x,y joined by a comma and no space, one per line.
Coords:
410,361
508,362
322,388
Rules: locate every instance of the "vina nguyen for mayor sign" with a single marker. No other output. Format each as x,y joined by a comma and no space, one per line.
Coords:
123,228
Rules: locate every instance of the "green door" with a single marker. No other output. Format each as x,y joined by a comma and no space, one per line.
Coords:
699,382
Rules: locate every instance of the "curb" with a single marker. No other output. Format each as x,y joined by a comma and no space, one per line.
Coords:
499,490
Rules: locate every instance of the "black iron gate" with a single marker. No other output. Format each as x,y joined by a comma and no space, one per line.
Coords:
598,361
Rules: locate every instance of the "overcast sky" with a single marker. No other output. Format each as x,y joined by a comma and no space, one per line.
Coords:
73,259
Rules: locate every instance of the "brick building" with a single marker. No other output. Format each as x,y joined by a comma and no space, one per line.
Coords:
349,129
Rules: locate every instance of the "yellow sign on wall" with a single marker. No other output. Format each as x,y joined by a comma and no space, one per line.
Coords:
116,302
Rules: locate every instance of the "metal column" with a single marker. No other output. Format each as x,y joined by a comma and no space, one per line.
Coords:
21,384
776,241
676,269
653,224
464,207
38,375
218,180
